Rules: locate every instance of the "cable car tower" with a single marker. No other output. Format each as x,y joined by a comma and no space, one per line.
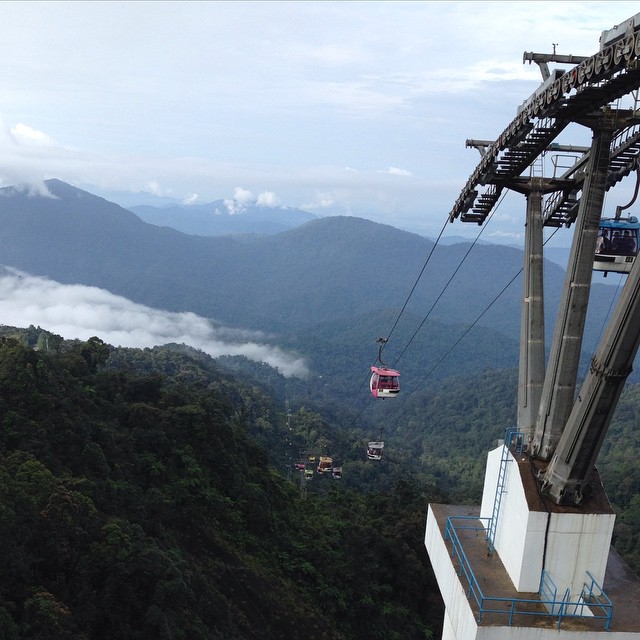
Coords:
534,560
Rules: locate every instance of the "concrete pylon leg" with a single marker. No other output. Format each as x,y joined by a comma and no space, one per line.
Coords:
532,356
562,370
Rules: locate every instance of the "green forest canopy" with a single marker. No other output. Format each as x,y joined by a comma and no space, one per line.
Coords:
149,494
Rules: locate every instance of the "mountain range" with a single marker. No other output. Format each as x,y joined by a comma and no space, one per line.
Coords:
326,270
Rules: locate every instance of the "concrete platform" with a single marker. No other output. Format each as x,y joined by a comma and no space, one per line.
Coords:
621,585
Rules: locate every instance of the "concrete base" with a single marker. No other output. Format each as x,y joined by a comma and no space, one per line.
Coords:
462,613
533,534
530,535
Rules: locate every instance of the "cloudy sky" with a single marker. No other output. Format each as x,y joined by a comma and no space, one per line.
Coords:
358,108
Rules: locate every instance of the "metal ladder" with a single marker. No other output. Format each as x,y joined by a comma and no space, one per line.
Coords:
511,436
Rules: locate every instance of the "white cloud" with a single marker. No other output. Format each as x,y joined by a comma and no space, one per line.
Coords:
506,235
243,196
322,201
234,207
238,204
80,312
268,199
395,171
33,188
190,199
24,155
153,186
25,134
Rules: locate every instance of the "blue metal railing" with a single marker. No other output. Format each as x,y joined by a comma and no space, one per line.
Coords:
597,600
593,603
548,590
515,438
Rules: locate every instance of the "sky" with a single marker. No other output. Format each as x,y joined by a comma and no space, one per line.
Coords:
339,108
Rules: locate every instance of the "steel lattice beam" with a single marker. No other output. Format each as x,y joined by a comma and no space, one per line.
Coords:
563,98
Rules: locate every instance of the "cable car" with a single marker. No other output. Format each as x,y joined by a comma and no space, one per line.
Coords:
375,450
299,466
384,382
308,474
336,473
325,464
616,245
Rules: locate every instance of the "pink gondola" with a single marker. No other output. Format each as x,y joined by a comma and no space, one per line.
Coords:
384,382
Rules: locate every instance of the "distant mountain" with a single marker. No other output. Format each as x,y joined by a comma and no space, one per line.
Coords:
329,269
221,218
559,255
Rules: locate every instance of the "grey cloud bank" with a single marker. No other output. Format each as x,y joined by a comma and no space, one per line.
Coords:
80,312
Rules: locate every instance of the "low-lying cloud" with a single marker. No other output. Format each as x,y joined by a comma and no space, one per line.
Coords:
80,312
242,198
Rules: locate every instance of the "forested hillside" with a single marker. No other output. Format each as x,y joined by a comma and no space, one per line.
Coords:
151,494
441,432
137,505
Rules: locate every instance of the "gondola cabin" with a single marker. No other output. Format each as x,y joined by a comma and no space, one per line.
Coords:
374,450
384,383
325,464
616,245
308,474
336,473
